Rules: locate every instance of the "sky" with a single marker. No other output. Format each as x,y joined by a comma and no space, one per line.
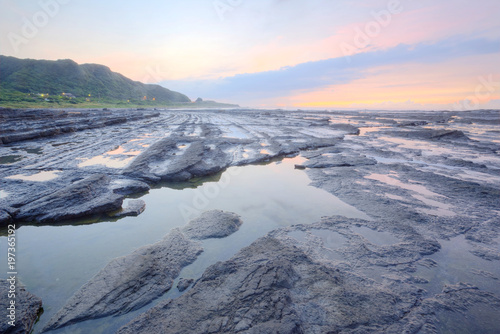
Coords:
329,54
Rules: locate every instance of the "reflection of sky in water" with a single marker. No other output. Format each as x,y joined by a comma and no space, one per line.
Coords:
118,157
122,151
54,261
379,238
235,132
457,264
423,194
38,177
390,180
106,161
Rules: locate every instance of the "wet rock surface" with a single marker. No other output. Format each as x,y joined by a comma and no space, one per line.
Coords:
27,309
427,260
133,208
83,198
184,284
45,151
273,286
130,282
22,125
212,224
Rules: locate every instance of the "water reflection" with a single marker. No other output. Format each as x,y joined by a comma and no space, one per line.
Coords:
38,177
55,261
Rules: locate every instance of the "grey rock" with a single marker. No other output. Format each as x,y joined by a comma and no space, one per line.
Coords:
432,134
22,124
272,287
128,187
142,165
350,129
212,224
134,208
83,198
184,284
164,161
339,160
5,217
412,123
27,309
130,282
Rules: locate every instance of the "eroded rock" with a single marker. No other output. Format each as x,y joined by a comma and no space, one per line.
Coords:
27,309
272,287
128,187
184,284
130,282
212,224
80,199
134,208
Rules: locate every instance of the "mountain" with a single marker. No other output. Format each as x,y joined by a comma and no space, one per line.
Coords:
65,76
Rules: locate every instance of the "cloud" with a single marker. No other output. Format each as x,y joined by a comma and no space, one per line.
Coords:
253,87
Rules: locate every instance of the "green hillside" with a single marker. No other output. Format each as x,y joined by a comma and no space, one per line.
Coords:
24,80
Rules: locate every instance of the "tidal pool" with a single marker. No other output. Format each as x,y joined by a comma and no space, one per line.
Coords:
55,261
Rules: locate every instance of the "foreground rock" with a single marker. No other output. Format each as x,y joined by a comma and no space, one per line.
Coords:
274,287
82,198
271,287
130,282
212,224
134,208
28,308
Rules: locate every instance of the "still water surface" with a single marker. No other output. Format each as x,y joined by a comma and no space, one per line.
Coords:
55,261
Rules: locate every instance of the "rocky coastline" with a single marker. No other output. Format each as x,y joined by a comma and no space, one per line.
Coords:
427,180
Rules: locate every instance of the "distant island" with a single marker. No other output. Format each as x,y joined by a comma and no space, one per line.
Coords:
30,83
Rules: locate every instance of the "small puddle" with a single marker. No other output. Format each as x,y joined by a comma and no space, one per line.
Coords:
456,263
10,159
55,261
395,197
234,132
38,150
390,180
298,235
121,151
415,144
441,209
363,131
106,161
376,237
38,177
330,239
